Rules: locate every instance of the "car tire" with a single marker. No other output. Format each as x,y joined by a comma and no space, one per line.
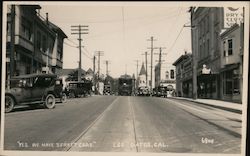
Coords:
50,101
63,98
9,103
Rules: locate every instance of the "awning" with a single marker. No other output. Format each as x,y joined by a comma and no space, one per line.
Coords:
230,67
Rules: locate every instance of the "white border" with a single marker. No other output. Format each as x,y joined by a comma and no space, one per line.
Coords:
124,3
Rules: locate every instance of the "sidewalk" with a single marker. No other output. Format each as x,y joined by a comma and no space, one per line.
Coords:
230,106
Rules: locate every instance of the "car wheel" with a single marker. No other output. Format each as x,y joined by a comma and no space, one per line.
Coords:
63,98
50,101
9,103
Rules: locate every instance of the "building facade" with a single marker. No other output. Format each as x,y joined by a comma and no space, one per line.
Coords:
38,43
217,49
166,75
184,75
207,23
232,63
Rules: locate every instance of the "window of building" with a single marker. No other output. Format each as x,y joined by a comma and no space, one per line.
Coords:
44,47
39,41
231,82
224,48
230,47
8,28
26,29
172,74
167,75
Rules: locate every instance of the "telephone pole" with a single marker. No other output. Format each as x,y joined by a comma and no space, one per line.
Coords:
12,42
137,61
99,54
152,48
79,30
107,70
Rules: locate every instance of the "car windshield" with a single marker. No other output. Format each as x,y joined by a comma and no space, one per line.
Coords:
43,81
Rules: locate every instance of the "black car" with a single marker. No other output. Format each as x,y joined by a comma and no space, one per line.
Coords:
32,89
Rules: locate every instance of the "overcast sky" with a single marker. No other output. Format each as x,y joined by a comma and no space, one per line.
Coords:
121,31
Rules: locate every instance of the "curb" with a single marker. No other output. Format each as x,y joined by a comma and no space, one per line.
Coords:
211,105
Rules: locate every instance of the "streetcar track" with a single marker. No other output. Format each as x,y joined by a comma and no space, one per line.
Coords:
91,125
131,111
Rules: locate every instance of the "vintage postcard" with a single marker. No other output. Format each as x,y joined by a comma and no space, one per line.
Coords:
119,78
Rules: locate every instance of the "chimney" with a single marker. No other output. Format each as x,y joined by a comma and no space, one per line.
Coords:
47,18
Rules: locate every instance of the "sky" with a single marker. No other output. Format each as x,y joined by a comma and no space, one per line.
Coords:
121,31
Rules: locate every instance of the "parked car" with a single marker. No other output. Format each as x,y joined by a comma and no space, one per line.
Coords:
59,91
161,91
32,89
143,91
79,88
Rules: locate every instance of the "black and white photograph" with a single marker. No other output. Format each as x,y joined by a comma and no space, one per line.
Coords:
124,78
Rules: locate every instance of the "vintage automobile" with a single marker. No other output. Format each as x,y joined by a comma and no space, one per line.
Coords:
79,88
60,93
161,91
32,89
143,91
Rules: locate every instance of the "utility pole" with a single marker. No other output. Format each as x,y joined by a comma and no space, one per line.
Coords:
152,48
107,63
79,30
99,54
194,35
137,61
12,42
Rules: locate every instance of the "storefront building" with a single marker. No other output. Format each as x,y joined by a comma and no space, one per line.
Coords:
232,63
38,43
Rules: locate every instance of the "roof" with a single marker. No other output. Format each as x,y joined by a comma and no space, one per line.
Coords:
65,72
56,28
89,71
143,70
181,58
34,75
125,76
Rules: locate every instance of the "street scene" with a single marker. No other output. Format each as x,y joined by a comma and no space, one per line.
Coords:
125,77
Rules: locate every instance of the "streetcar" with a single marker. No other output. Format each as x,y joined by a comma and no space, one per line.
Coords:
125,85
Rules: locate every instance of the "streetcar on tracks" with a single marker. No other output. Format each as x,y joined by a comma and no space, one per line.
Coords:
125,85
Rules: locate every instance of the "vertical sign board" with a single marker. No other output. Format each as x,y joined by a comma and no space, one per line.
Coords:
232,16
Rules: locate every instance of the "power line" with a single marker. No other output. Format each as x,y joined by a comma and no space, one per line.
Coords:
176,39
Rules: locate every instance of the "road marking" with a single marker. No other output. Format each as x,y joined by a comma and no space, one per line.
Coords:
187,106
91,125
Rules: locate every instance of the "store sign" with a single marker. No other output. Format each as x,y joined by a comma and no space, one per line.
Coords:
232,16
205,70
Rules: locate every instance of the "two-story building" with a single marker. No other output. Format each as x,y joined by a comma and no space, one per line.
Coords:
38,43
232,63
165,74
184,75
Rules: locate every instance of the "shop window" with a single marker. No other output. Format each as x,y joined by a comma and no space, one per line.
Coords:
231,82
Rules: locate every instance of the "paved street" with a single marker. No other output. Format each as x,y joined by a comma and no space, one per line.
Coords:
124,124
